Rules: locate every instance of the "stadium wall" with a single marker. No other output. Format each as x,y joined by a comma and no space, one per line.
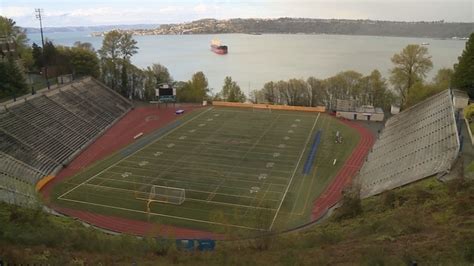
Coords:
319,109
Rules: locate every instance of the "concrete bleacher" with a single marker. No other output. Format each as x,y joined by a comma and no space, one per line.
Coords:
39,134
419,142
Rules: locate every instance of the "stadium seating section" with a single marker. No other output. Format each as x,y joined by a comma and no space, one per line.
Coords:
41,133
419,142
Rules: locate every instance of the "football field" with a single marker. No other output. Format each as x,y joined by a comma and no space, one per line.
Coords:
238,168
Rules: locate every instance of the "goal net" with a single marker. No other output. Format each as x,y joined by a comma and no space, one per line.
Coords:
164,194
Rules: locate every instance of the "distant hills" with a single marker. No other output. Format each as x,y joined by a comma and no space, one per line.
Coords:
91,28
434,29
430,29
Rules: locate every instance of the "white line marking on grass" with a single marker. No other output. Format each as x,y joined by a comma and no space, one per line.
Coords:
169,132
184,178
158,153
164,215
262,176
290,131
192,131
270,164
99,186
211,196
210,170
294,172
171,145
126,174
143,163
201,125
183,137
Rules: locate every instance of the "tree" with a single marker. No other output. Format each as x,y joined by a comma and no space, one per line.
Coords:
270,93
12,81
160,73
317,91
84,45
421,91
231,92
443,78
37,56
199,87
255,96
51,54
117,49
195,90
84,62
463,77
16,35
378,94
411,66
469,112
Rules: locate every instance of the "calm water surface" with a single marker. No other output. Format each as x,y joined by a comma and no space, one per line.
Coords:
256,59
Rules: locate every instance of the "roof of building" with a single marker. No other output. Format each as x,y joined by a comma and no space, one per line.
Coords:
460,93
351,106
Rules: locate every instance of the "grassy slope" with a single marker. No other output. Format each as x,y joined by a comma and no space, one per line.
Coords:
428,222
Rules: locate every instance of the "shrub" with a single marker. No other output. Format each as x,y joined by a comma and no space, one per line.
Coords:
351,206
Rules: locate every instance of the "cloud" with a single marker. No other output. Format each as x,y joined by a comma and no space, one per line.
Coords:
86,12
16,11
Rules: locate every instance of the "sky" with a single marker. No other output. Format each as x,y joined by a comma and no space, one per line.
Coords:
114,12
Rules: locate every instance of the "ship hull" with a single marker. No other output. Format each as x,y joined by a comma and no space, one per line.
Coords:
219,49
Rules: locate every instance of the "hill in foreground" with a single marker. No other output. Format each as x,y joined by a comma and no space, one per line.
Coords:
428,222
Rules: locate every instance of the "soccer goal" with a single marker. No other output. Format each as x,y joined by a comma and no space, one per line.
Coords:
164,194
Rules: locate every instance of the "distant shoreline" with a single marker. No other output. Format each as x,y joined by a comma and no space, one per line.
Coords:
436,29
333,34
420,29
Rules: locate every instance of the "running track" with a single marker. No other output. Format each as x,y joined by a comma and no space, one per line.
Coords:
148,119
333,192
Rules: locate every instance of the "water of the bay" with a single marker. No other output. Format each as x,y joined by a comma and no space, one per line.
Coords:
255,59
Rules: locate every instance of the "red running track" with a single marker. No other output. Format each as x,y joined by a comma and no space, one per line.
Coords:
140,120
333,192
148,119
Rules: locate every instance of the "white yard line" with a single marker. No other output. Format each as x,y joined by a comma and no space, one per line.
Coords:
169,132
184,179
148,184
211,196
294,172
163,215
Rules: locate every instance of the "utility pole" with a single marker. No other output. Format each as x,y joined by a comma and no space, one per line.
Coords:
38,12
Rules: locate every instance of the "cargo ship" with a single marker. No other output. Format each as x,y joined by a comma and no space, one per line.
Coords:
217,48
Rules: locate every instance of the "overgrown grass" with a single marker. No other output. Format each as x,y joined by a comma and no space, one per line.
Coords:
470,167
428,222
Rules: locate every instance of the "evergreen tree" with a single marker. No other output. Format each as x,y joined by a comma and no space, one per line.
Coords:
12,81
37,56
463,77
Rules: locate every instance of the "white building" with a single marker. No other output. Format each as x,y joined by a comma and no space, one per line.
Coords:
348,109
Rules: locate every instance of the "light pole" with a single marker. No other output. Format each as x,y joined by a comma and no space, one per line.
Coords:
38,12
